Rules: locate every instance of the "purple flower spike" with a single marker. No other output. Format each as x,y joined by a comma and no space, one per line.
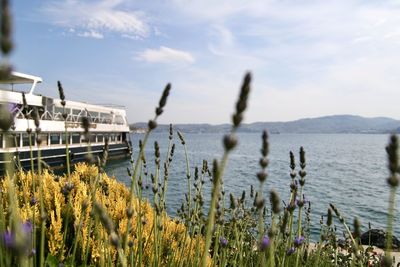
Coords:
290,251
223,241
33,253
298,241
27,227
33,201
9,239
264,243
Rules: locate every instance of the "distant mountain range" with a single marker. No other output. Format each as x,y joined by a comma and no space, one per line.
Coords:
327,124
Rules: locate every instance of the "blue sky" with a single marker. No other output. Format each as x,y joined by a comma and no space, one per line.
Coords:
308,58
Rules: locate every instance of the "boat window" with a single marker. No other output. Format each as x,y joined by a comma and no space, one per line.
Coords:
105,118
92,138
112,138
12,140
63,139
1,141
76,111
54,138
25,139
119,119
76,138
100,138
45,139
93,114
58,110
118,137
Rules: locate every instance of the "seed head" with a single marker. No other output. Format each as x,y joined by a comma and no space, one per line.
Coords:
302,158
104,218
215,170
85,124
156,150
6,118
104,157
275,201
302,173
36,117
24,103
243,196
129,212
170,132
233,201
180,135
262,175
6,28
163,100
259,202
152,124
61,92
242,101
393,161
337,213
265,146
291,207
329,217
284,221
230,141
292,161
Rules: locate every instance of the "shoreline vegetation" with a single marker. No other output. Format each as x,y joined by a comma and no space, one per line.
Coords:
85,218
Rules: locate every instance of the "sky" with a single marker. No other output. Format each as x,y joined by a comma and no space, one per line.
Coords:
307,58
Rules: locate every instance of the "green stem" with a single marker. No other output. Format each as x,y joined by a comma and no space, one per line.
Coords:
67,150
213,204
271,251
299,226
133,183
390,221
42,212
261,255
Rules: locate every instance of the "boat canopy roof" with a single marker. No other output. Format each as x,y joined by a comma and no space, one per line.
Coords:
22,78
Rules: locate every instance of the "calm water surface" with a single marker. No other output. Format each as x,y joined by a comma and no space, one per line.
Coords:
348,170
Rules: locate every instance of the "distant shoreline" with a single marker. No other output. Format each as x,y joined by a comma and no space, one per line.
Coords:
338,124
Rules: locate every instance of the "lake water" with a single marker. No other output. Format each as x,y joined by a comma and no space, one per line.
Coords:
348,170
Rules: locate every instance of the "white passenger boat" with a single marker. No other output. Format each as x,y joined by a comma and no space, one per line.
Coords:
105,122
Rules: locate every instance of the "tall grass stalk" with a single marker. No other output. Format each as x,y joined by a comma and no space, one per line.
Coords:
393,181
151,126
230,142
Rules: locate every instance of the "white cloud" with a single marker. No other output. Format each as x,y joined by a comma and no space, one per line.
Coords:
91,34
309,58
165,55
97,18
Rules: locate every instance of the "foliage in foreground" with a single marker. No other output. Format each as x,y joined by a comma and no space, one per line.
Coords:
77,230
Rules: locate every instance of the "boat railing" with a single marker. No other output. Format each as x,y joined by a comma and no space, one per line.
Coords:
111,105
19,112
